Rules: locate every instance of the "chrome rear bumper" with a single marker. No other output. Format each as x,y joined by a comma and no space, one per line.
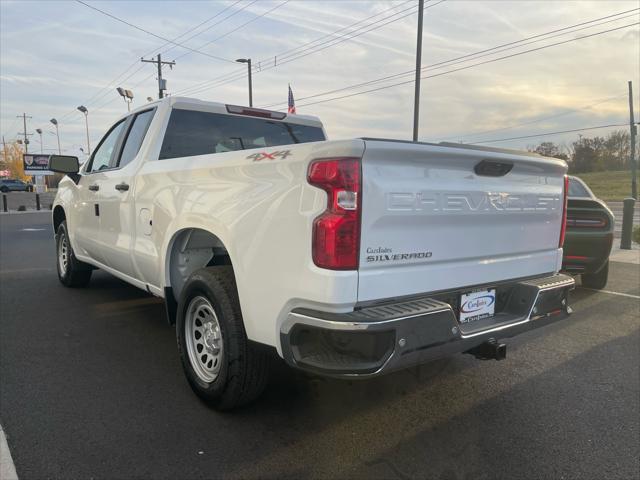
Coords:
378,339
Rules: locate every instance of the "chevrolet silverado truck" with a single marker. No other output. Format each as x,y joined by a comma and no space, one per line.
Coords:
350,258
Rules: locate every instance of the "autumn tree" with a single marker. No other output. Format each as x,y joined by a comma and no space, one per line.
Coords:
592,154
549,149
12,161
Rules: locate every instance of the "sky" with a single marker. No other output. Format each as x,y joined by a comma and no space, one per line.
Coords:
56,55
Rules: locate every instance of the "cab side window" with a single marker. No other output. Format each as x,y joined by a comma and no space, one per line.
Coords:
137,131
102,155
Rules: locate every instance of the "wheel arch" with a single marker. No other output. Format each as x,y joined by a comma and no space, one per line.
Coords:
58,216
188,250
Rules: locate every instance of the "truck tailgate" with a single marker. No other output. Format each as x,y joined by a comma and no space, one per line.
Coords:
438,217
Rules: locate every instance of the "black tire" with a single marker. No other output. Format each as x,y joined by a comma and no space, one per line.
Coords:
4,189
596,280
244,369
75,273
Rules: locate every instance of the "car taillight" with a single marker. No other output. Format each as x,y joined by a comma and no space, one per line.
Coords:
563,228
587,222
336,232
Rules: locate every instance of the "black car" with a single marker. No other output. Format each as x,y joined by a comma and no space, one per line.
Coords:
589,236
12,185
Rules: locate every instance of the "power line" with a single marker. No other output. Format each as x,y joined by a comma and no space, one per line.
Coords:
331,34
211,41
463,68
118,79
202,23
324,45
485,52
282,58
192,50
240,26
552,133
537,120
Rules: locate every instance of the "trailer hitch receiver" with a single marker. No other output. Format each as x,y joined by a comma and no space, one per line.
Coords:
489,350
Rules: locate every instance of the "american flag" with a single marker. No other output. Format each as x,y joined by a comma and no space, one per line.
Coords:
292,102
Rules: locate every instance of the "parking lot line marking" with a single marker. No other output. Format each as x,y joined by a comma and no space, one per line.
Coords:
25,270
32,229
613,293
7,468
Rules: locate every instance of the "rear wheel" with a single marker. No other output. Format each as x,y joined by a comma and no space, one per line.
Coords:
71,271
4,189
222,366
596,280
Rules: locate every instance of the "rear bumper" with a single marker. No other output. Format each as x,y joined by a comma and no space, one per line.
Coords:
380,339
586,252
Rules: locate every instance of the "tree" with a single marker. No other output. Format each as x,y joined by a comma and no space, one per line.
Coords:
618,151
589,155
549,149
12,160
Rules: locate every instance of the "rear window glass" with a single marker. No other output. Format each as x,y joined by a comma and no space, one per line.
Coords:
198,133
576,189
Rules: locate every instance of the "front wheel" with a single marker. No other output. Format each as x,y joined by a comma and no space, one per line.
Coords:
222,367
4,189
71,271
596,280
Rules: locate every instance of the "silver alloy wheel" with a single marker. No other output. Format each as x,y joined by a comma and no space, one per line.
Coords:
63,254
203,337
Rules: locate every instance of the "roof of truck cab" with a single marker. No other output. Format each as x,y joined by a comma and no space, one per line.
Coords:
222,108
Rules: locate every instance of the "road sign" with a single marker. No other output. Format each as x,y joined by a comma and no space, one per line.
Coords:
36,164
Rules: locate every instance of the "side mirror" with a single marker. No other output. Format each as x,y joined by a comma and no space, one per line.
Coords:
64,164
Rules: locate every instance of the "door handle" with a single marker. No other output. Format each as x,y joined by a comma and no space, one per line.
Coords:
122,187
94,187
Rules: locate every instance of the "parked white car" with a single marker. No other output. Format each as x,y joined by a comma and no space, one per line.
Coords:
349,258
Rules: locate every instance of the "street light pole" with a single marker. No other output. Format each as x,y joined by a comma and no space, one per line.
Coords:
84,110
55,122
248,62
39,130
416,100
127,95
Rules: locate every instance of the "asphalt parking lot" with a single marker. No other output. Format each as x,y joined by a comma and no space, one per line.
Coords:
91,387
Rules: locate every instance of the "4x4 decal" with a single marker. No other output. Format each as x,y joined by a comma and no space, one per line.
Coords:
257,157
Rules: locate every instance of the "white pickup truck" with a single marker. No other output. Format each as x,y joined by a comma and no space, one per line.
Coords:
350,258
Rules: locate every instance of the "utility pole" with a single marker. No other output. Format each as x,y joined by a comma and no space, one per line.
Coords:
26,135
629,203
416,100
4,153
161,83
634,131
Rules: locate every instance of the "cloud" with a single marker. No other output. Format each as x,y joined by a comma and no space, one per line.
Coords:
57,55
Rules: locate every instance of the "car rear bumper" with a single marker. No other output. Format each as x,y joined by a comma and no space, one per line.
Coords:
586,252
383,338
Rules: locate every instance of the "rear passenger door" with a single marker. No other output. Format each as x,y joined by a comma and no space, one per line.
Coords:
117,210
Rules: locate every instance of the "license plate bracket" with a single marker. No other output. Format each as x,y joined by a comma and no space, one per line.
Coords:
477,305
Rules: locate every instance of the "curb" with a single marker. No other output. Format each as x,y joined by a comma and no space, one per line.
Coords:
15,212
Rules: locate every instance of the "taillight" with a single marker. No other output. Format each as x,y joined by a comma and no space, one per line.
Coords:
563,228
587,222
336,232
